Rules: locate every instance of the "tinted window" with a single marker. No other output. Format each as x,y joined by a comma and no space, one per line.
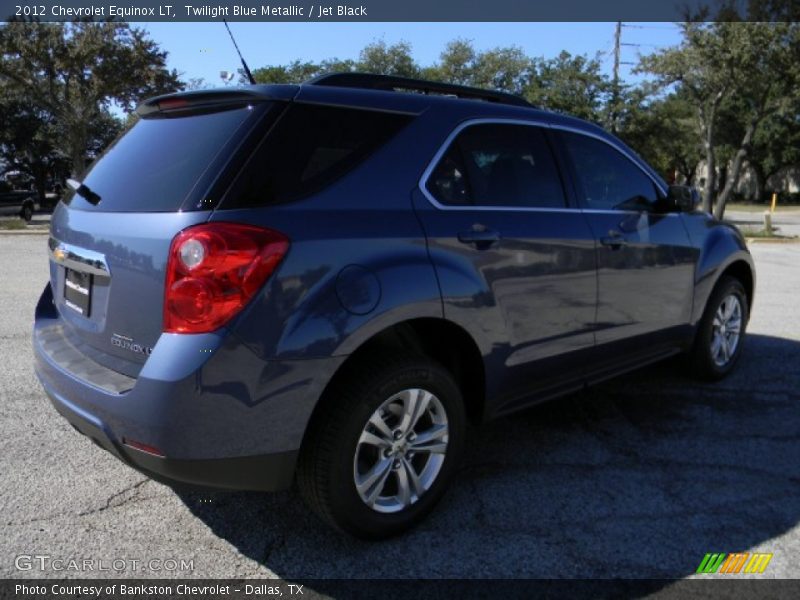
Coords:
448,182
309,148
498,165
606,178
155,165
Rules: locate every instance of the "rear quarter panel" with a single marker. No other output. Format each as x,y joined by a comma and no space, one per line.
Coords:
358,260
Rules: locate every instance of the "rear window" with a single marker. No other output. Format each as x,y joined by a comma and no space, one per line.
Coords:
156,165
308,149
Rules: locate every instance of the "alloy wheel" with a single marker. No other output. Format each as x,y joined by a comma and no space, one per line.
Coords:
726,330
401,450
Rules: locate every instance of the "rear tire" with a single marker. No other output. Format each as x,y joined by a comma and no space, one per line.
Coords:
26,214
720,335
383,446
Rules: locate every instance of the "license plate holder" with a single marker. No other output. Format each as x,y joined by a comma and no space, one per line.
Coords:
78,291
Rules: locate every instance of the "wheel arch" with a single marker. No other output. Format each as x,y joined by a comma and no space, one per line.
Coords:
741,270
439,339
724,252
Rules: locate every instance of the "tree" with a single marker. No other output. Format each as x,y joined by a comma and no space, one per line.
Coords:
75,72
298,71
384,59
753,66
456,64
572,85
776,145
27,141
664,132
505,69
377,57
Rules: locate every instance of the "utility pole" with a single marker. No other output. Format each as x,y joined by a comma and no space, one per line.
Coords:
615,84
617,41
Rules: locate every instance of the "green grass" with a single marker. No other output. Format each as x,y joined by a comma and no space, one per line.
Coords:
749,232
760,208
13,224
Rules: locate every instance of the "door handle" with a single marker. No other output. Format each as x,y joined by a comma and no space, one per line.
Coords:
481,237
614,240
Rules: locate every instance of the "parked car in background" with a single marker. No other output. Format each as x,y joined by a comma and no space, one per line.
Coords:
16,201
327,282
52,196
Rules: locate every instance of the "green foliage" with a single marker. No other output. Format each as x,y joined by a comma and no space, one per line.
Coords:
456,64
505,69
727,96
27,140
664,131
377,57
384,59
572,85
73,73
737,76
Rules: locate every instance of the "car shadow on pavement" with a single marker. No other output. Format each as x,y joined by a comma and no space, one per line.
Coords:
638,477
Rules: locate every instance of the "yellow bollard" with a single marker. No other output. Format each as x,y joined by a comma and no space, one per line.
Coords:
774,202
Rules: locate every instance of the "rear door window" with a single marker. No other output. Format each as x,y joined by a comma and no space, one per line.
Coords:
309,148
501,165
157,164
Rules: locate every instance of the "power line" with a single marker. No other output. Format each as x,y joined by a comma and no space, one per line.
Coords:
662,27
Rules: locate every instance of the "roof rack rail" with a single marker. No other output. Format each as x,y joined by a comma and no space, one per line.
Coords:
392,83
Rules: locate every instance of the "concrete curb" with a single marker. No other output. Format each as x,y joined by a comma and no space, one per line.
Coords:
774,240
24,231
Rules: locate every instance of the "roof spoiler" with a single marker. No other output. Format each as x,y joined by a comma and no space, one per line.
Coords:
215,99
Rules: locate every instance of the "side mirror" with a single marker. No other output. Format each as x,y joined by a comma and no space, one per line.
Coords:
682,198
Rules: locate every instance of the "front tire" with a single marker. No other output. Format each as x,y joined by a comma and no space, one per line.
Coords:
720,335
384,446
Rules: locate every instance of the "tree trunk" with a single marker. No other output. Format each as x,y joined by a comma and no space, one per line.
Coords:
78,164
735,170
77,150
40,185
760,179
687,171
711,178
711,167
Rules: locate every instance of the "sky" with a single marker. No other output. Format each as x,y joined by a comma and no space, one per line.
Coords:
202,50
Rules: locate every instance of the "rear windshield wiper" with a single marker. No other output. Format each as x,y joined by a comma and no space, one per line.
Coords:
83,191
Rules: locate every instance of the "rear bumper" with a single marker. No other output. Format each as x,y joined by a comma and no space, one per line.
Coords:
270,472
220,416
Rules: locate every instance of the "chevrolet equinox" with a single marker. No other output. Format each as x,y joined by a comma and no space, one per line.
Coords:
325,283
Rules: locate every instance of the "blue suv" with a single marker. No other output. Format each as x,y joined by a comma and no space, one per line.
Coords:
326,283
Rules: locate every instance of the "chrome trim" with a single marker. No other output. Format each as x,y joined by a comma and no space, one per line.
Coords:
80,259
532,123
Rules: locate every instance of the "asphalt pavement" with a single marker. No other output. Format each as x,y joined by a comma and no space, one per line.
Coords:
638,477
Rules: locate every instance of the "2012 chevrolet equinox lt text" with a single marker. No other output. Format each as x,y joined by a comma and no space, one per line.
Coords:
326,282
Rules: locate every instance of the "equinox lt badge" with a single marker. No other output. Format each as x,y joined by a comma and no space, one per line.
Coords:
126,343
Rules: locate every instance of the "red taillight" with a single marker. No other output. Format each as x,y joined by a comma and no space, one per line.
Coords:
214,270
